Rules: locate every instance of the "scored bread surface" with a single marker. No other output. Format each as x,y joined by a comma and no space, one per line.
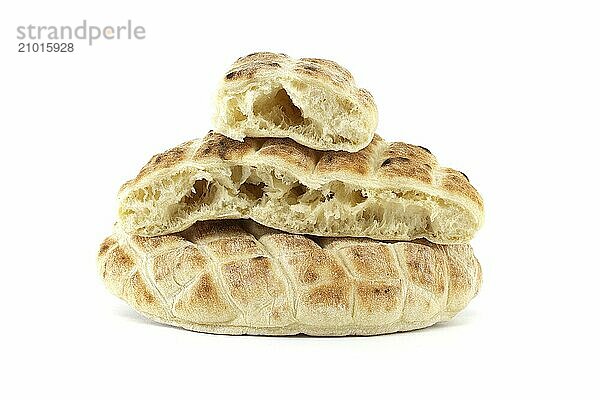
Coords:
387,191
237,277
312,101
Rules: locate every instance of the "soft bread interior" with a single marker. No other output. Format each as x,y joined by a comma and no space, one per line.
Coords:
278,109
278,199
295,109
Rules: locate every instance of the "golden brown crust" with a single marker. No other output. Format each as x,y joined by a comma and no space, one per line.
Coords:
247,67
372,262
264,63
391,160
167,159
105,245
401,170
295,155
201,302
457,182
407,160
422,267
239,277
217,146
358,163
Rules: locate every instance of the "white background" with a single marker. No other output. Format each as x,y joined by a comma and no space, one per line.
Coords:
506,91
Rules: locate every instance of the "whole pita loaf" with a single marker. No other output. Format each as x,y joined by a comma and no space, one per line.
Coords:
312,101
235,277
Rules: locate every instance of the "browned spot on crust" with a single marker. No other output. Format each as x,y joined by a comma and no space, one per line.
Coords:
408,161
202,302
290,153
378,297
333,296
400,166
242,73
371,262
249,66
224,148
105,245
115,269
366,98
424,268
318,264
415,154
276,313
335,161
143,297
318,74
169,157
456,182
325,69
309,276
359,163
311,67
205,292
388,161
118,264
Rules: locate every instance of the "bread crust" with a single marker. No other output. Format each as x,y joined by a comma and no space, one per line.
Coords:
387,191
238,277
313,101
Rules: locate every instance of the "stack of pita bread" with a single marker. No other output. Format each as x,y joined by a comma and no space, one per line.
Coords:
294,216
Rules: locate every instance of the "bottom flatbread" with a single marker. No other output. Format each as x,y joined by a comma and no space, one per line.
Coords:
238,277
